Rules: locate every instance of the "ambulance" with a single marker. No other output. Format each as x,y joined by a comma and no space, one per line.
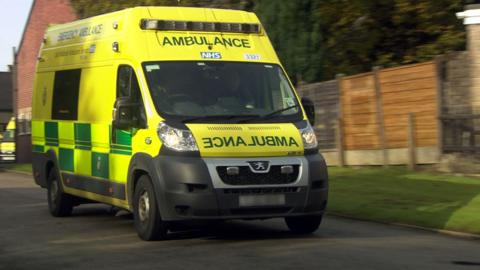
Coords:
7,143
177,115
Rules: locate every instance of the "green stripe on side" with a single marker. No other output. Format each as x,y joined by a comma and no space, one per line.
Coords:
38,148
123,137
51,143
51,133
66,159
100,165
121,152
121,147
83,136
82,147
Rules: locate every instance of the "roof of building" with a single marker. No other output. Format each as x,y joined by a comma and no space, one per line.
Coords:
6,91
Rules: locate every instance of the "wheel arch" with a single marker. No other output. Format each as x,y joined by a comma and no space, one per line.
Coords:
42,164
143,164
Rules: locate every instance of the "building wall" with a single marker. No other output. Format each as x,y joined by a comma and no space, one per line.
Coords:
43,13
6,109
456,83
473,43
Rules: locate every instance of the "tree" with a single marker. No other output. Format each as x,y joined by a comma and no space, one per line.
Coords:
88,8
317,39
296,36
360,34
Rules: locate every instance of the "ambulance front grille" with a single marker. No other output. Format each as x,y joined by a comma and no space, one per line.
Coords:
247,177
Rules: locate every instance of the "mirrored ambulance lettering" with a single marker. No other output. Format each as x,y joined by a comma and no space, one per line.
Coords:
218,142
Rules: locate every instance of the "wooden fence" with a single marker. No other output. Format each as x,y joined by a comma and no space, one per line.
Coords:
325,95
372,113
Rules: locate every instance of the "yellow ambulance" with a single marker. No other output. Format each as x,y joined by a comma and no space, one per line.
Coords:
175,114
7,143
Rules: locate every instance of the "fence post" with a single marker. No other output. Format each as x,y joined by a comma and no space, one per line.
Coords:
412,157
339,129
440,72
380,118
339,142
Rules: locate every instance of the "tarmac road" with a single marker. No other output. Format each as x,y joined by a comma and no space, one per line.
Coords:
94,238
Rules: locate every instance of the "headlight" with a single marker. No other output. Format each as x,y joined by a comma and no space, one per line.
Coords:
309,138
177,139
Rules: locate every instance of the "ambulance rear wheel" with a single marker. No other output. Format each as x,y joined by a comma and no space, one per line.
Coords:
303,224
146,215
60,204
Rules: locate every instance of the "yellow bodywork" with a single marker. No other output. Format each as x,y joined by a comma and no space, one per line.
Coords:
89,45
7,143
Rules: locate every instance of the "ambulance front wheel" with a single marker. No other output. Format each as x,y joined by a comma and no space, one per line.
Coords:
146,215
60,204
303,224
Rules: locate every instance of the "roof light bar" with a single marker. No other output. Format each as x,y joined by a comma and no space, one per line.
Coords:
162,25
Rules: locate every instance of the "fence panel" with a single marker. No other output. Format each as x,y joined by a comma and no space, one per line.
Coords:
409,89
359,112
325,95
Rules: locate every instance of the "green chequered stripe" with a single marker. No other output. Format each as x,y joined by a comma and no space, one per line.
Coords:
51,133
120,143
66,159
100,165
83,136
123,142
37,148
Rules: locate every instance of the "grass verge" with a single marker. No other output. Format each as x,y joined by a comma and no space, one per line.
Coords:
396,195
19,167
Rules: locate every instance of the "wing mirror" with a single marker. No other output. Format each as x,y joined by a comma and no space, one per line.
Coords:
309,108
128,114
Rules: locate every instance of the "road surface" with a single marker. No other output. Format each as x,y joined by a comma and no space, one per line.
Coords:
94,238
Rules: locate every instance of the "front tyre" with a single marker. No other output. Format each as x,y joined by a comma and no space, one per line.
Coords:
147,219
60,204
303,224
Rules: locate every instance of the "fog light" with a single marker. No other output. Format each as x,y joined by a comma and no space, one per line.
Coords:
286,169
233,171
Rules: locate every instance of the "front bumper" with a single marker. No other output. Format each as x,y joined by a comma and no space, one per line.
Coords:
190,188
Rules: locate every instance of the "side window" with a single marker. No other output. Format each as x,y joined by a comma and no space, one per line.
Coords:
127,83
128,90
65,94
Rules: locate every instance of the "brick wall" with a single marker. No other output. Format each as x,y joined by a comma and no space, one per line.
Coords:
43,13
473,43
456,83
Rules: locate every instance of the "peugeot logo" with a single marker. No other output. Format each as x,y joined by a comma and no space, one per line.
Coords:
259,166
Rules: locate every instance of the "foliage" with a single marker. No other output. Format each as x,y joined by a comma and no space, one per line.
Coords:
19,167
88,8
296,35
317,39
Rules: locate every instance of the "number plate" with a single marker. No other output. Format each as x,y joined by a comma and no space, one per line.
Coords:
262,200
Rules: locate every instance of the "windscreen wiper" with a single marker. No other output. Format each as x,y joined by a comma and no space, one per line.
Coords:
270,115
218,117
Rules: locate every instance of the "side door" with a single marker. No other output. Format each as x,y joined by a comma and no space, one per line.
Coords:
129,112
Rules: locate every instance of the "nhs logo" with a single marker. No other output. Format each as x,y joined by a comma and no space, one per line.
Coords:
211,55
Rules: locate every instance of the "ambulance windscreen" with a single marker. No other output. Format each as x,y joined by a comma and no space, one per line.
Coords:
221,90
